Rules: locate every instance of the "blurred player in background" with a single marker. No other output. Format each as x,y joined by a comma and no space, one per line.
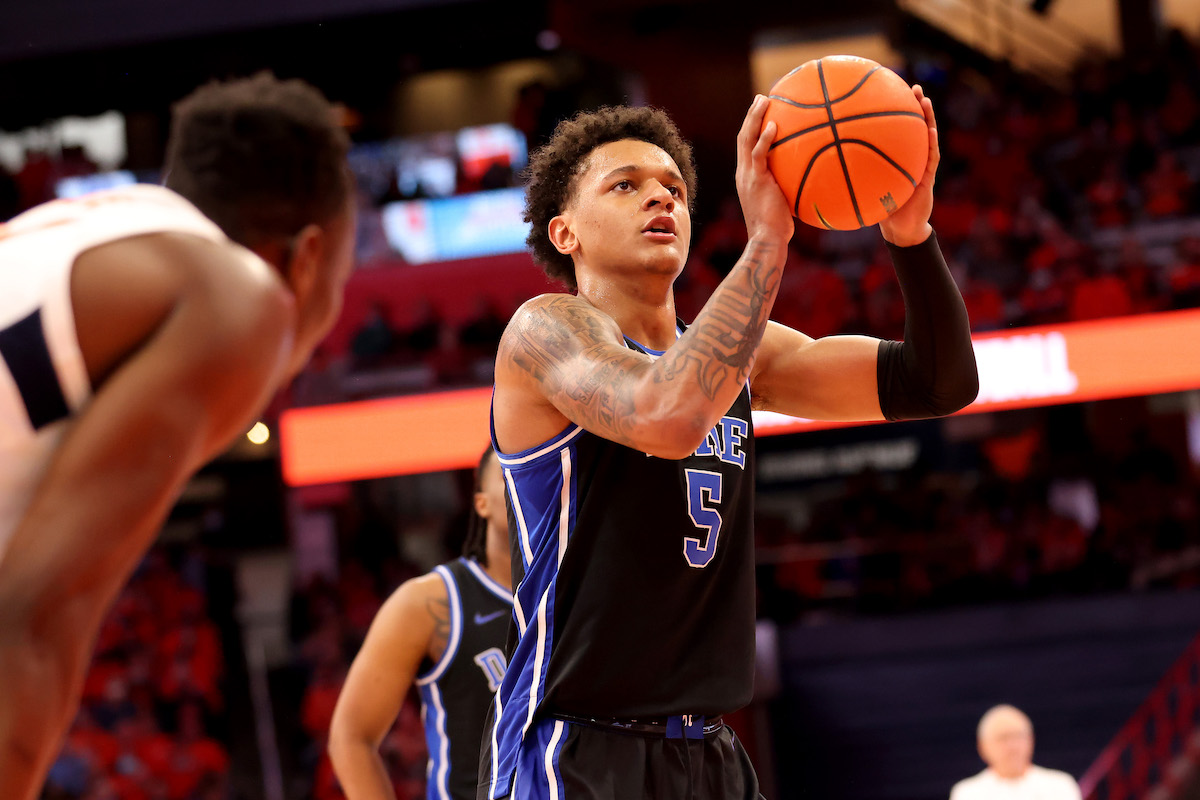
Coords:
1005,740
445,631
628,448
141,330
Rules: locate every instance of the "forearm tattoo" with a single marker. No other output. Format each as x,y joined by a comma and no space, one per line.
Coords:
554,337
724,338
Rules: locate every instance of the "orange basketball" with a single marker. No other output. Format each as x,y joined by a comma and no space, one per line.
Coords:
851,141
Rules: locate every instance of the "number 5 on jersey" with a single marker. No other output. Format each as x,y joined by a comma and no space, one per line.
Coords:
704,495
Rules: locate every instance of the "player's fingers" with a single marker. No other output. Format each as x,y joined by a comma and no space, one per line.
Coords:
927,109
752,123
935,156
763,145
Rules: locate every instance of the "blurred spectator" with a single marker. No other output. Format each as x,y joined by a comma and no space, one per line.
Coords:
1141,277
812,298
529,112
194,758
374,340
723,239
1108,197
1099,294
1184,276
985,304
320,697
480,336
1166,190
1005,740
424,335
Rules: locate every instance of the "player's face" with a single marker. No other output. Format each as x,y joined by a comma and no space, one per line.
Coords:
629,211
321,301
1008,747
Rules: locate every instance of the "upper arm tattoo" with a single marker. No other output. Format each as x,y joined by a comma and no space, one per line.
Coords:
438,609
575,352
547,344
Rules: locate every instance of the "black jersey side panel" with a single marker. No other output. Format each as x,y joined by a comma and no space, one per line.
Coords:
456,693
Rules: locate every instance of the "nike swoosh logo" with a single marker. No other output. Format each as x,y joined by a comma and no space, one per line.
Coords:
481,619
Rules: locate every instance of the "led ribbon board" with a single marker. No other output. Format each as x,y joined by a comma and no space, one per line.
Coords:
1020,368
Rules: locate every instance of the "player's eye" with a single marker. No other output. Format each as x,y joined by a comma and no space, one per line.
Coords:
623,185
675,190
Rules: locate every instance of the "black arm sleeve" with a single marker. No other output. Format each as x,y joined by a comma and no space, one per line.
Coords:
932,372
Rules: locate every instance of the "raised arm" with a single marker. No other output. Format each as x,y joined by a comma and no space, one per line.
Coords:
415,618
930,373
563,353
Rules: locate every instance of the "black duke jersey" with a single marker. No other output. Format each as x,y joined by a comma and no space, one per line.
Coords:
635,582
456,692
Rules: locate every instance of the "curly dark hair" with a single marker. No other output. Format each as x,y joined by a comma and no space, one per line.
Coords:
259,156
554,168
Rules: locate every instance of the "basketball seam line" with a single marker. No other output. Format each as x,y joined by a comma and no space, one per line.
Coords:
856,87
804,180
854,118
798,104
884,156
813,160
837,140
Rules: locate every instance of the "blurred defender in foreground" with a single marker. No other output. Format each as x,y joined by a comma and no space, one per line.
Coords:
141,330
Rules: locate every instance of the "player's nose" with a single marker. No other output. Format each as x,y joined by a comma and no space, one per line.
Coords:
657,194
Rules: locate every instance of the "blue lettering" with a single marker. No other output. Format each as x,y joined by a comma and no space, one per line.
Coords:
733,431
493,664
725,441
704,497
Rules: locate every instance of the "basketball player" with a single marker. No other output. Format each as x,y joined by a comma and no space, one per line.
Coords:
445,631
141,330
628,451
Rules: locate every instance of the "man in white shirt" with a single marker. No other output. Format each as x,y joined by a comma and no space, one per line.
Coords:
1005,738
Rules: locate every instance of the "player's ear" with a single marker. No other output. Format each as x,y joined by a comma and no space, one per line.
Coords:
304,261
481,504
562,236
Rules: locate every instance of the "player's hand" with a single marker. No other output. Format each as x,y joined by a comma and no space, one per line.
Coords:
909,225
763,204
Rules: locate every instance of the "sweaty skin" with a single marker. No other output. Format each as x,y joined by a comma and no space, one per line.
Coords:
184,341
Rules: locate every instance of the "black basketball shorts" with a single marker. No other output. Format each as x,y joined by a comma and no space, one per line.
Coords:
568,758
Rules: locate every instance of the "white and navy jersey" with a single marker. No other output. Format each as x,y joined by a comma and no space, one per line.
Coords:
456,692
635,583
43,380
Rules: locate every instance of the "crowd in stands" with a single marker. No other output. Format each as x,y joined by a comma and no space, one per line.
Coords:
330,621
1037,516
151,722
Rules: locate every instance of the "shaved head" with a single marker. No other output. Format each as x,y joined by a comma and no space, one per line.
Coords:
1005,738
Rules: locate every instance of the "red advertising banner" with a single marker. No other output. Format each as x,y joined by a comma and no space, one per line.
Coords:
1020,368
